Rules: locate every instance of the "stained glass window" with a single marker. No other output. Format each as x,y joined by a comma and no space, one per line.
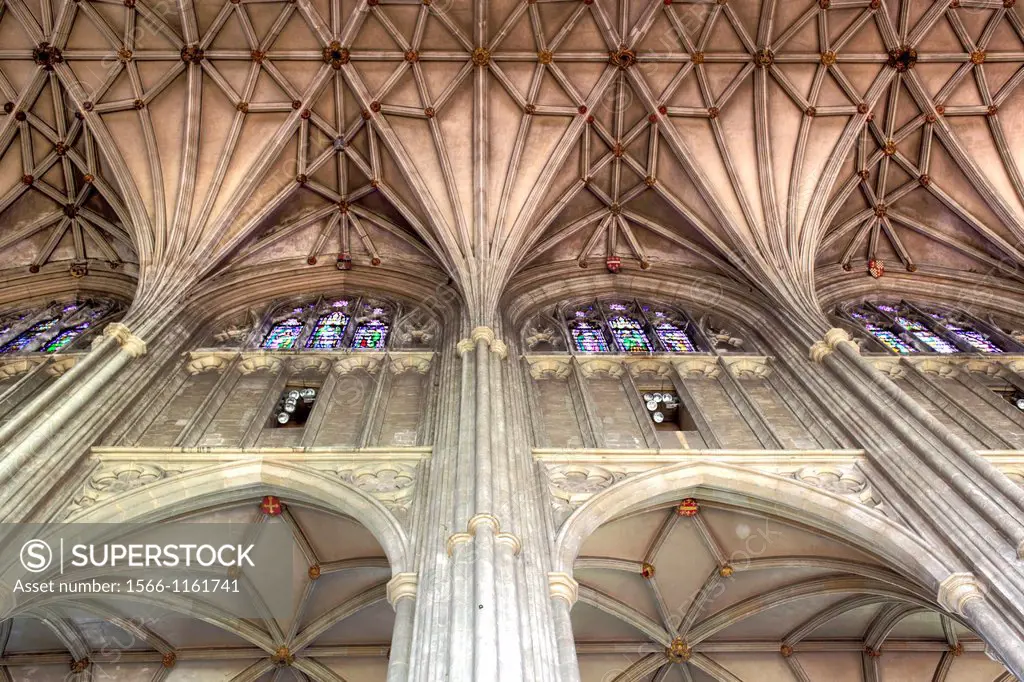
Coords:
329,330
671,335
370,335
30,335
964,332
63,339
887,336
588,337
283,335
629,334
928,337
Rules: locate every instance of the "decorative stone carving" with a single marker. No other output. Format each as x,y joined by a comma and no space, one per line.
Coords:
574,484
592,366
116,478
979,366
941,369
550,367
698,366
543,331
17,366
748,367
364,361
206,362
659,368
889,366
416,362
310,363
61,364
130,343
259,363
563,586
847,481
720,338
391,483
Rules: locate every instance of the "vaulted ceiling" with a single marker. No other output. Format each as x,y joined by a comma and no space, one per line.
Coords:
732,596
760,140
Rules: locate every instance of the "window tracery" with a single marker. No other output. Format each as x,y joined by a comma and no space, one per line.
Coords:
905,329
55,328
615,326
344,323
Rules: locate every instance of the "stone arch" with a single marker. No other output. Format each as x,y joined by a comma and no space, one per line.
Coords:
759,492
239,480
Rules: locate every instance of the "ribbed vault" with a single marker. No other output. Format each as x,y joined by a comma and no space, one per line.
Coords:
759,140
730,596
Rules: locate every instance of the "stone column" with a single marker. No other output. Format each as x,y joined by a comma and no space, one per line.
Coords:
964,595
401,593
564,591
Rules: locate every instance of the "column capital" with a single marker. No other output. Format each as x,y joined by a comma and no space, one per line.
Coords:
958,589
465,346
563,586
131,344
502,538
833,337
482,334
402,585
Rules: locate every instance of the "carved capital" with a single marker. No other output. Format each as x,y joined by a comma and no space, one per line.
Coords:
657,367
482,334
131,344
481,520
591,366
833,337
257,363
365,361
207,362
457,539
417,362
563,586
747,367
550,367
958,589
500,348
465,346
401,586
698,366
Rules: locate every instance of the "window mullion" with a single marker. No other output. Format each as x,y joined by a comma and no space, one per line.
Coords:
940,329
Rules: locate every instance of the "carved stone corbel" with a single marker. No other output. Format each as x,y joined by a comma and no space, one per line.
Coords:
563,586
658,367
364,361
747,367
416,362
401,586
704,366
591,366
258,363
550,367
207,362
17,366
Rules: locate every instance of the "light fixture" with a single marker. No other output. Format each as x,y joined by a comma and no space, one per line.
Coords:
1019,402
659,417
283,417
652,405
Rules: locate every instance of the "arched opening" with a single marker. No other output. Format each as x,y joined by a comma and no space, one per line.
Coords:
736,576
329,620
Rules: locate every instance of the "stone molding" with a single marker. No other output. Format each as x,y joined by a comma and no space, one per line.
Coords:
465,346
563,586
388,475
958,589
61,364
129,342
484,519
305,363
574,476
402,586
657,366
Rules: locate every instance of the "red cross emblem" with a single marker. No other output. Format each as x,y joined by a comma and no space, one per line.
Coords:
688,507
271,506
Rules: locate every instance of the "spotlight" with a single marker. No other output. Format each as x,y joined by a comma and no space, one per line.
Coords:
283,417
652,405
